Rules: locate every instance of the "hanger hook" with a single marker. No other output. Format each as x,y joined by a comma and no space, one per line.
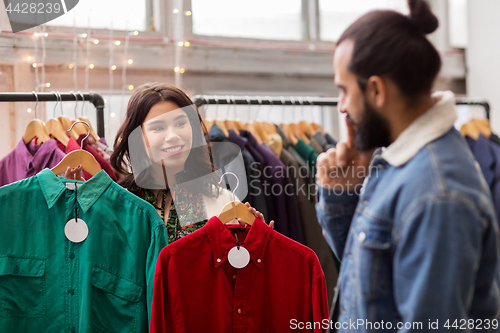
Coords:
233,101
76,102
249,106
237,182
36,104
88,133
228,100
83,102
260,107
282,99
311,103
55,105
60,96
292,100
216,98
272,104
301,102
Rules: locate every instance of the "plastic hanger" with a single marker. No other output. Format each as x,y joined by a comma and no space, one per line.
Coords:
230,125
35,128
86,120
78,157
235,209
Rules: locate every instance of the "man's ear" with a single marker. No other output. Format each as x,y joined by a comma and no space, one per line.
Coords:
376,91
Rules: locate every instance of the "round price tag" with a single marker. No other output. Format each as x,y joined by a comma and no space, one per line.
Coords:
238,258
76,231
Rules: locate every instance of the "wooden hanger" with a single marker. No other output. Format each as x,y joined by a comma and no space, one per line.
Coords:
270,128
35,128
483,125
76,158
260,130
56,130
306,128
317,126
294,128
208,124
251,128
68,127
289,134
230,125
235,209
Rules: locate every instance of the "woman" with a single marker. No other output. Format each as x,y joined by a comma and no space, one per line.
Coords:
160,144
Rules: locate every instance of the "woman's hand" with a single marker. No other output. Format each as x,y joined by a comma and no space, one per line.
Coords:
75,173
257,214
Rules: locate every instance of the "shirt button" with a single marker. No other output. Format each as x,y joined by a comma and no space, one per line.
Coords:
361,237
259,261
71,255
71,291
239,310
218,260
16,269
234,277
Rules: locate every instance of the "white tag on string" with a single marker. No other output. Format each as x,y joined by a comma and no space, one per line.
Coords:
76,231
238,258
71,186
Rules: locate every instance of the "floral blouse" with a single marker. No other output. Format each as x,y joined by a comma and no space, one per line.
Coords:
191,212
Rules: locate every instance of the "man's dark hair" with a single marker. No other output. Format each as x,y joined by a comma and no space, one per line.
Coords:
389,44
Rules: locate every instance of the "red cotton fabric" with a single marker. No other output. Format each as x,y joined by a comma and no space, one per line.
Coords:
197,290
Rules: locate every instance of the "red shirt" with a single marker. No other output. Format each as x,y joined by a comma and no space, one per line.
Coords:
197,290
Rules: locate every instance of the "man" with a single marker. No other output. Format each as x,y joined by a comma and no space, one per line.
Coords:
413,225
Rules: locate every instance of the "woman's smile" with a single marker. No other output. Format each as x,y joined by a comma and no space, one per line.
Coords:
173,150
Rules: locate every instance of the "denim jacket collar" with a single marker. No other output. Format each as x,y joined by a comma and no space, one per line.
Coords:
433,124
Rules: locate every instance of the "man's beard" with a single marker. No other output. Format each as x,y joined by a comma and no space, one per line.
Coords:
372,130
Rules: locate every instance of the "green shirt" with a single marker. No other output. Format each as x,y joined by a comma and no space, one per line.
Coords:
308,154
50,284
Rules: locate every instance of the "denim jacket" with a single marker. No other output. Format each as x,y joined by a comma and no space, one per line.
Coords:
420,244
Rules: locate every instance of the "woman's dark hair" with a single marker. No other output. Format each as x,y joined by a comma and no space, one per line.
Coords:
387,43
141,101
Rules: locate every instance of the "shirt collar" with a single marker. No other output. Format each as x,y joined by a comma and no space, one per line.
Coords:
222,240
37,155
433,124
88,192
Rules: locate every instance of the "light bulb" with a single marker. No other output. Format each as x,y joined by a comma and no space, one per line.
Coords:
34,65
91,66
29,110
70,66
136,33
180,43
182,70
29,58
188,13
46,34
176,69
47,84
130,61
96,41
113,67
175,11
117,42
112,114
130,87
186,44
84,35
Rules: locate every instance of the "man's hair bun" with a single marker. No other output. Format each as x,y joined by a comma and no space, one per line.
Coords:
422,17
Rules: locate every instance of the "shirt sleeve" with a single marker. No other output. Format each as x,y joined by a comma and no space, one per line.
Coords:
158,241
335,213
444,261
320,303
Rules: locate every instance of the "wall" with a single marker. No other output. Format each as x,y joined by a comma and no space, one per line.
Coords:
483,55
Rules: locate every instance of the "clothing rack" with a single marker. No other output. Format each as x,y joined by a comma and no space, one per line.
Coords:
200,100
91,97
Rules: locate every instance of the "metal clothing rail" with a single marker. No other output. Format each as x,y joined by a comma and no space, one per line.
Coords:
200,100
91,97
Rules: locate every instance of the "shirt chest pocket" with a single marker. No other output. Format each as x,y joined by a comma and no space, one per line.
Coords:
372,257
22,287
115,302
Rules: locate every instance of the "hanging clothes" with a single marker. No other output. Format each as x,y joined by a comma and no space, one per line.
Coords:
275,183
487,154
50,284
26,160
102,162
283,281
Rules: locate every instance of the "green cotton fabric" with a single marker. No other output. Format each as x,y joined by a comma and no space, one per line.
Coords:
308,154
102,284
